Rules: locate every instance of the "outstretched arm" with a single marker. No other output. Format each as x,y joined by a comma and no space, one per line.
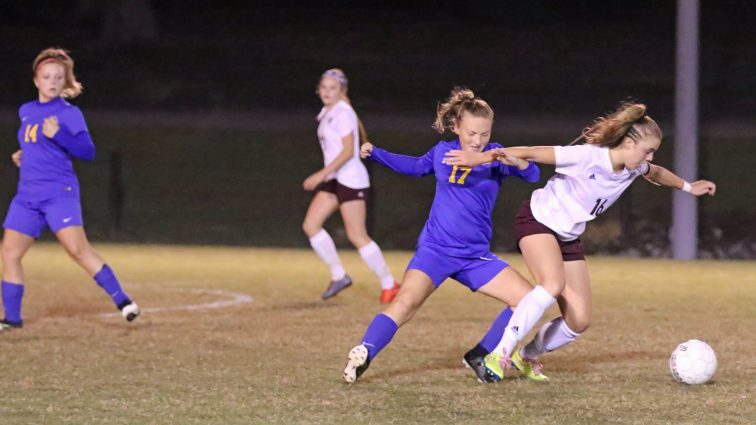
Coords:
664,177
541,154
415,166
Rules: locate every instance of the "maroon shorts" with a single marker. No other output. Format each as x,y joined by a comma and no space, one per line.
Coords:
526,225
343,193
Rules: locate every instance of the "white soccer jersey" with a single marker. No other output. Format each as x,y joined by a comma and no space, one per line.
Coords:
335,124
582,188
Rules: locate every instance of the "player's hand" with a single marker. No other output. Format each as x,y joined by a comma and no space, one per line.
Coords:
366,150
703,187
16,157
502,157
313,181
50,127
465,158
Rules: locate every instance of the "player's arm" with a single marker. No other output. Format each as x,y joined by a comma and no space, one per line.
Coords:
347,152
16,157
78,145
540,154
415,166
664,177
521,168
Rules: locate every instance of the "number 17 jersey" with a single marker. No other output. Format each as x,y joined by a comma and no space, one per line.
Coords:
584,185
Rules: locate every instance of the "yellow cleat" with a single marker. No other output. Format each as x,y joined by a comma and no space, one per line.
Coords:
495,364
529,368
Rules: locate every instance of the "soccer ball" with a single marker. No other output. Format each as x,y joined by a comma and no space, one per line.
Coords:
693,362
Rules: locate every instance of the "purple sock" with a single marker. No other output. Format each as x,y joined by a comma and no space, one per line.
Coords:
379,334
107,280
493,336
12,295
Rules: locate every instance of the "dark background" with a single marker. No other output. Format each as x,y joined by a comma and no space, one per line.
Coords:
203,112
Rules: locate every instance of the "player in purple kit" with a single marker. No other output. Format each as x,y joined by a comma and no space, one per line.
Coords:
52,133
455,241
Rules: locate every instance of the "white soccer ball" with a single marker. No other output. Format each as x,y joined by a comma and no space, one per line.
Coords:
693,362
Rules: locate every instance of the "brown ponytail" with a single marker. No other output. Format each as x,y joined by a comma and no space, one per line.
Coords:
71,88
629,120
461,100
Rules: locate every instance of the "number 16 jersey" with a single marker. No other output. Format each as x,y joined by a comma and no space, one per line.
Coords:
584,185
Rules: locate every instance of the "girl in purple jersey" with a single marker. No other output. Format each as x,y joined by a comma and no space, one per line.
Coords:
589,178
342,184
52,132
455,242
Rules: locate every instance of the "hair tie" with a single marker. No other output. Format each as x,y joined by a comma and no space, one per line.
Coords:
339,76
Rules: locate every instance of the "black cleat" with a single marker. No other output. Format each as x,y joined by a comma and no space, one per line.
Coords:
7,324
357,364
337,286
473,359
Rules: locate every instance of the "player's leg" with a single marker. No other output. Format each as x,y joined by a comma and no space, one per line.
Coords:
353,213
324,204
544,258
575,304
15,246
23,223
416,287
510,287
74,241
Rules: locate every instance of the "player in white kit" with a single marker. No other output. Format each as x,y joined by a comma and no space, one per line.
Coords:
343,184
589,178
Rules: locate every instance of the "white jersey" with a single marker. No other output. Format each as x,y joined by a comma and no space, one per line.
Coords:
584,185
335,124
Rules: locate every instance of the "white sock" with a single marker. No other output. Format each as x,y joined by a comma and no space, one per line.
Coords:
552,335
528,312
373,257
326,250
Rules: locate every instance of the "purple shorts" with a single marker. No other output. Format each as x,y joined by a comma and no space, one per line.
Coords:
31,217
471,272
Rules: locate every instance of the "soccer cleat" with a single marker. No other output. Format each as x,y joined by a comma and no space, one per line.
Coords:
473,359
337,286
496,364
357,364
387,295
6,325
129,310
529,368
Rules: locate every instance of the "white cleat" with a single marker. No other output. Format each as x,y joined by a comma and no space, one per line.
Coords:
130,311
357,364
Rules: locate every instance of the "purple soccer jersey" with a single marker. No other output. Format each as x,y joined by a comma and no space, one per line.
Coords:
460,218
46,167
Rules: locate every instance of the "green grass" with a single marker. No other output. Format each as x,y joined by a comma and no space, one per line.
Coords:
278,360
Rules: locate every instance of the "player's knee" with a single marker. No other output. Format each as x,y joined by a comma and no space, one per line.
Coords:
553,286
579,324
358,238
11,256
79,252
310,229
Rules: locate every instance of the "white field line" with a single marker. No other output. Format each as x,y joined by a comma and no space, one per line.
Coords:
233,299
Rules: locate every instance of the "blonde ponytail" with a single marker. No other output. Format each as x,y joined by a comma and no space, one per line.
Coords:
629,120
461,100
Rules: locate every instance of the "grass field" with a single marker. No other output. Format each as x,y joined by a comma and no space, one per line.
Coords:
278,359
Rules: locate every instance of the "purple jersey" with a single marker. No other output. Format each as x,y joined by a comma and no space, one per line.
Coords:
46,166
459,223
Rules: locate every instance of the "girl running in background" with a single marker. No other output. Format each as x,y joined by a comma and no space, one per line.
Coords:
589,178
52,133
455,241
342,184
